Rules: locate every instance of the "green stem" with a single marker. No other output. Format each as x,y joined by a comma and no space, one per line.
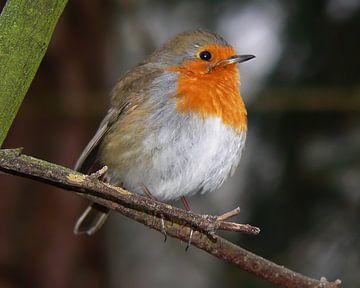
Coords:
26,27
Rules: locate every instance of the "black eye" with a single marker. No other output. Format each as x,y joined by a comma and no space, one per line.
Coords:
205,55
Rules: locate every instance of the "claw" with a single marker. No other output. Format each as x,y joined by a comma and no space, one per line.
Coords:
187,208
189,241
163,231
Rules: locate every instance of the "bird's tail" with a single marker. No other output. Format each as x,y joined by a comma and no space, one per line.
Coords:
91,220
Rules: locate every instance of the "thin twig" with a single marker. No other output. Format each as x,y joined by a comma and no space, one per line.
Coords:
178,223
237,227
99,173
229,214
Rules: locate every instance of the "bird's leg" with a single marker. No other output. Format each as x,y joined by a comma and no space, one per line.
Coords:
187,208
186,203
148,194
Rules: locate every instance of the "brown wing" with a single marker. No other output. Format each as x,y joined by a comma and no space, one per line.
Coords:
89,154
128,92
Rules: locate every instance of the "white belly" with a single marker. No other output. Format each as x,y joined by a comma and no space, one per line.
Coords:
185,155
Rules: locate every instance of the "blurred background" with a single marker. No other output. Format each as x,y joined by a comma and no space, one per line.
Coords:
299,178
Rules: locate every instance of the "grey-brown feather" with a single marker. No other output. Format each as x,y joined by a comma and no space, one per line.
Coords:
89,155
126,96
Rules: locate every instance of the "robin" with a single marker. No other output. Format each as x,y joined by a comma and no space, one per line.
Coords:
177,124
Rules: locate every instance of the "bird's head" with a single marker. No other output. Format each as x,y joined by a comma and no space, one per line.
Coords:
198,52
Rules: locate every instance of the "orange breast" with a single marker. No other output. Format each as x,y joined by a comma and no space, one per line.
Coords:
212,94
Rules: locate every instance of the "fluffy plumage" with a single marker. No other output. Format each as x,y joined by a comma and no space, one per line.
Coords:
177,124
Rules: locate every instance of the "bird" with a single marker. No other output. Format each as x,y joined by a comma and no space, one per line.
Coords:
176,125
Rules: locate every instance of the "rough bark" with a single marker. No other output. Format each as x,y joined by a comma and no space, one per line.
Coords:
178,223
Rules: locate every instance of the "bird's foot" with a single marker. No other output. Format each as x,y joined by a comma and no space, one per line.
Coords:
187,208
149,195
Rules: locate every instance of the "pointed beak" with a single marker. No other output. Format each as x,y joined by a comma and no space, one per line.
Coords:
235,59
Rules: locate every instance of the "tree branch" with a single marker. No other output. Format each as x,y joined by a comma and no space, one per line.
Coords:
178,223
